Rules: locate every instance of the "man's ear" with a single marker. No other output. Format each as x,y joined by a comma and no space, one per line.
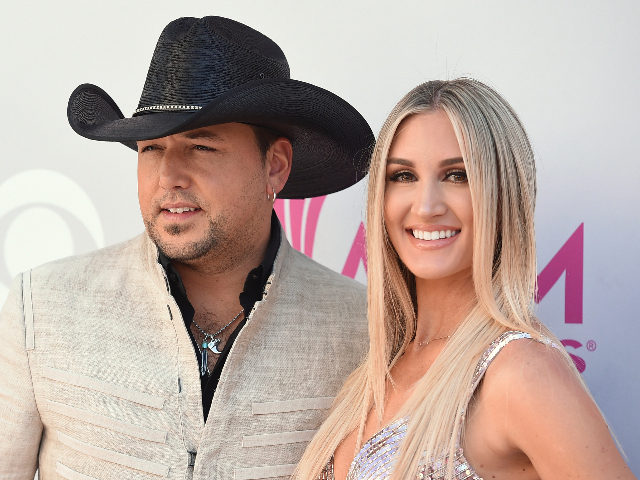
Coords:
278,164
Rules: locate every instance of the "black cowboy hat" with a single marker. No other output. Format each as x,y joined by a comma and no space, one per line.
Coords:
216,70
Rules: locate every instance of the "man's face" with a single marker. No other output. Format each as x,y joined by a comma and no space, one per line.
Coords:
203,193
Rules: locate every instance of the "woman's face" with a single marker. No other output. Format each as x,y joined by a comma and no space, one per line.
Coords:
427,208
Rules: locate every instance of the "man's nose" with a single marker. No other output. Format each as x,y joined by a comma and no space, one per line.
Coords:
173,171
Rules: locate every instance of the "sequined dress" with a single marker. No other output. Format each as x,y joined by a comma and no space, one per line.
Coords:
377,457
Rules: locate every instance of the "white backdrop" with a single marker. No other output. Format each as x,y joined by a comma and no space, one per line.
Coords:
570,69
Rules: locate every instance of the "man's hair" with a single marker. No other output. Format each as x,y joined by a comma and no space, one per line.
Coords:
264,138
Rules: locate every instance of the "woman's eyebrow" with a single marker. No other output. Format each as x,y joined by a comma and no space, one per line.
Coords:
408,163
399,161
451,161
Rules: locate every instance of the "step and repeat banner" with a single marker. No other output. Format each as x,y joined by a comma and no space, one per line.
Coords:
569,69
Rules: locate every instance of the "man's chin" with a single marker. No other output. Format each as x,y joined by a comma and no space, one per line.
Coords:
181,247
175,230
183,243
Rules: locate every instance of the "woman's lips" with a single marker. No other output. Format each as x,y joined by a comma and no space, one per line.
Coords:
432,238
430,235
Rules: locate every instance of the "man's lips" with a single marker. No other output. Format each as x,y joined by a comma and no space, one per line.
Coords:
180,209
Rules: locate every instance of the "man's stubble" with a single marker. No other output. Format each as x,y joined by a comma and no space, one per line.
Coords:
217,251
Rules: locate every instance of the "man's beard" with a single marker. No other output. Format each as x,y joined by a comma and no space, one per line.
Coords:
190,251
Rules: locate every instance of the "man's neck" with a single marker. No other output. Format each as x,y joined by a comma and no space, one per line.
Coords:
215,286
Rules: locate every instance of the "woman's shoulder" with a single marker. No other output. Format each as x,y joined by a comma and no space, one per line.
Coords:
517,353
535,402
531,390
530,365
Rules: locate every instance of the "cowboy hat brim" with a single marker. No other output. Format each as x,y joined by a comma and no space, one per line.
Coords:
331,141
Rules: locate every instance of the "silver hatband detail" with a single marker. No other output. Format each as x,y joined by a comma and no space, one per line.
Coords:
167,107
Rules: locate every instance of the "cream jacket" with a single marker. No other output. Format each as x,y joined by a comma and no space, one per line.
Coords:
99,379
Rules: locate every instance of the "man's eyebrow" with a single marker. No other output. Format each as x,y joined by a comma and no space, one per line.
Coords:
202,134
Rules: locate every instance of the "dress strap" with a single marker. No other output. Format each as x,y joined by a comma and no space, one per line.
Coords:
489,355
498,344
492,352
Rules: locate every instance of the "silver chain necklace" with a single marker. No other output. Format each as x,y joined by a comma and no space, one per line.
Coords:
211,342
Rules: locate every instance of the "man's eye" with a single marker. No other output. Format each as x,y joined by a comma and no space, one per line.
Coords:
203,148
147,148
402,176
456,176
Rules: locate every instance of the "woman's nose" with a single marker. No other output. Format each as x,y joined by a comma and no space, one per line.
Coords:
429,200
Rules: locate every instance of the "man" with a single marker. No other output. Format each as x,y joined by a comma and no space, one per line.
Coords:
207,347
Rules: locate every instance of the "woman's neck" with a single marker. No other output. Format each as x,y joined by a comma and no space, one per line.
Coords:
443,304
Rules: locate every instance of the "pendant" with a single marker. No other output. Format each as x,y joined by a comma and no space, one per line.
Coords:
213,346
204,368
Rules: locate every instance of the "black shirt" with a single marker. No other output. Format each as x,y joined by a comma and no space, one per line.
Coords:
254,287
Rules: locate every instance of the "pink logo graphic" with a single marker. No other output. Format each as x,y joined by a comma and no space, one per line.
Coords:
569,260
581,365
299,217
357,254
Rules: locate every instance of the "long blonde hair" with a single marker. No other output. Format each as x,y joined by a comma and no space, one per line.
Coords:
501,174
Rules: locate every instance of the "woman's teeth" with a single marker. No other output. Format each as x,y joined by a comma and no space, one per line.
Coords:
435,235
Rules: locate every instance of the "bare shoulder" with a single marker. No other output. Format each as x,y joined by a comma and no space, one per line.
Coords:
539,405
528,377
529,365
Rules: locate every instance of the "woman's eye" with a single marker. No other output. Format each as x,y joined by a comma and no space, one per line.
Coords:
456,176
402,176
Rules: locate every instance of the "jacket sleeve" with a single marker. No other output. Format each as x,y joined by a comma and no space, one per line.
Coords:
20,424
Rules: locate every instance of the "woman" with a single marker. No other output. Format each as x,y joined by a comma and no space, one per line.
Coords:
461,380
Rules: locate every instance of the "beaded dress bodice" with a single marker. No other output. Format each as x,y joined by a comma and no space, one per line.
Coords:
377,458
